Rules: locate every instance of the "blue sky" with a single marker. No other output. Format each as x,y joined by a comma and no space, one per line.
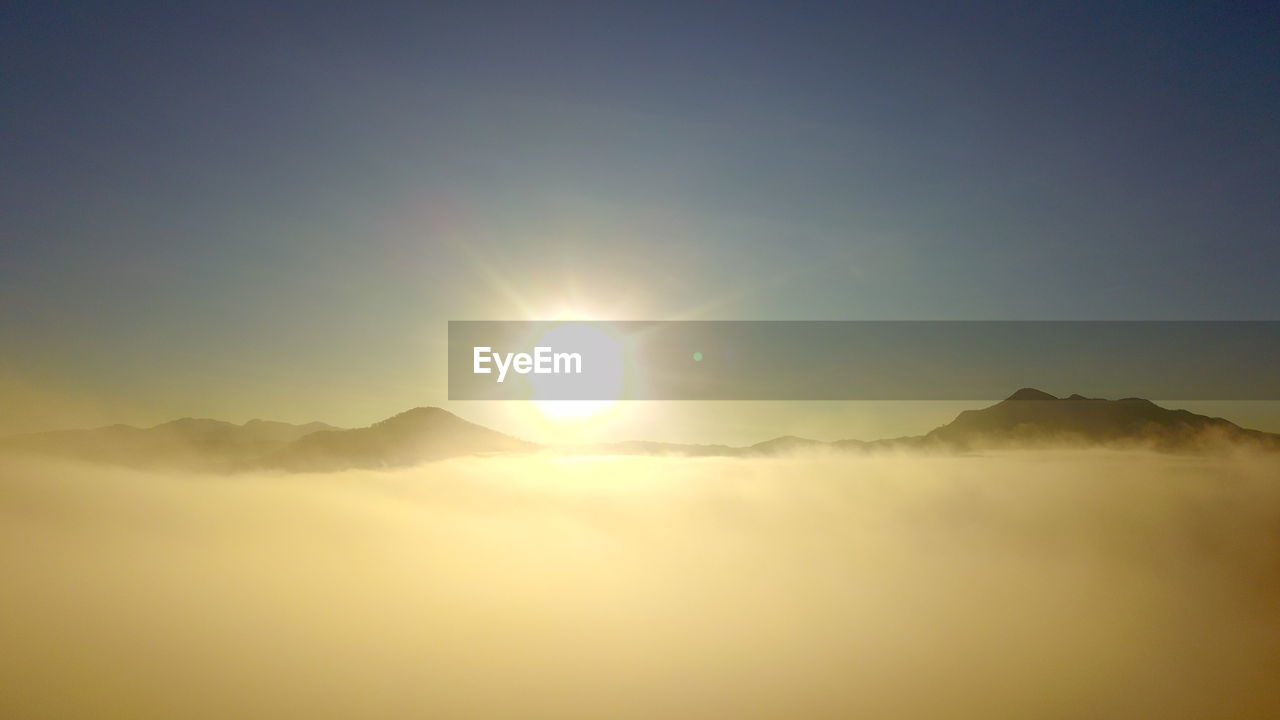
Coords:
243,210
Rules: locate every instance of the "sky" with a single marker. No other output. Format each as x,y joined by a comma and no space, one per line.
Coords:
244,211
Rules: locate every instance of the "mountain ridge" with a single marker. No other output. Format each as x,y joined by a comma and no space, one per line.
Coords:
1031,417
416,435
1027,418
204,443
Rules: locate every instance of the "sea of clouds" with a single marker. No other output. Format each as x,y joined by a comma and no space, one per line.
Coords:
1065,584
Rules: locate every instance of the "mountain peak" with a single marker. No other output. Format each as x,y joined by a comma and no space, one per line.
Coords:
413,436
419,415
421,411
1079,420
1027,393
191,423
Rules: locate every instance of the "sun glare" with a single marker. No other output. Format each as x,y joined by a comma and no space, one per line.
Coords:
608,379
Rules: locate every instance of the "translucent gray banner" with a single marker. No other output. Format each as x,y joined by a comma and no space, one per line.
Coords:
879,360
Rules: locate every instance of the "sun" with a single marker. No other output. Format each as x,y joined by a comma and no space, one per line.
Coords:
608,374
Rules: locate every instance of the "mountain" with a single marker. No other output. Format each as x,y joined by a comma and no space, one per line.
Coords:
414,436
1028,418
1036,418
783,445
188,442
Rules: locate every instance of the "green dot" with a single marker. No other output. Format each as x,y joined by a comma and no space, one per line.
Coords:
697,357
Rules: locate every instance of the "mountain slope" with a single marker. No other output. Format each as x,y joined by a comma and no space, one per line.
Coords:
417,435
1033,417
1027,418
188,442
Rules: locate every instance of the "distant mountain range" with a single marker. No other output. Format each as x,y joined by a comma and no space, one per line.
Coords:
1028,418
189,442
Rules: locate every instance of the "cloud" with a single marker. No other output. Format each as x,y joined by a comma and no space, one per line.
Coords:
1022,584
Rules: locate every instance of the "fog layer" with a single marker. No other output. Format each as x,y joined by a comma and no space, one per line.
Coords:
1045,584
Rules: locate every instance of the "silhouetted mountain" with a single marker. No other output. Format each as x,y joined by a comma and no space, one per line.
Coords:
1028,418
186,442
414,436
784,444
1033,417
